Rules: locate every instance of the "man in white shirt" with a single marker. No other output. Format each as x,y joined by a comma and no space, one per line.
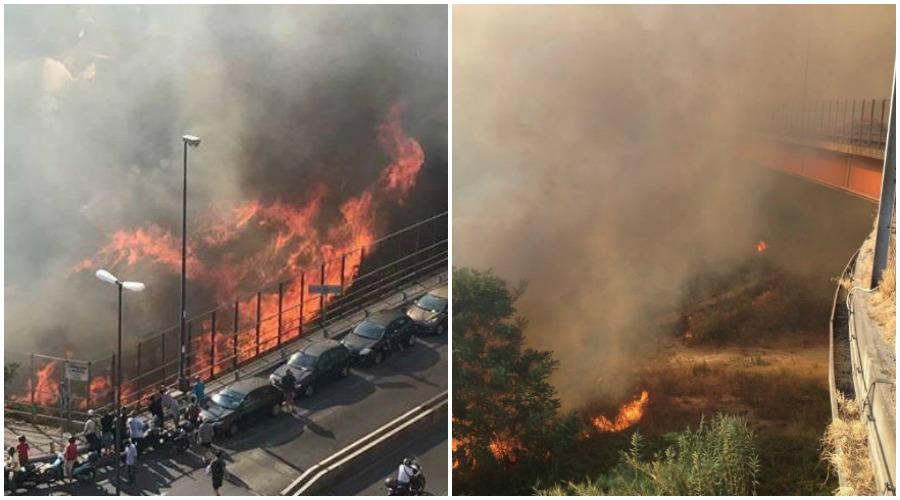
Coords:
136,429
131,455
90,431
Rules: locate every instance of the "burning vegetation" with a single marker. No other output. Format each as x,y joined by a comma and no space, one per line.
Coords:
255,243
629,414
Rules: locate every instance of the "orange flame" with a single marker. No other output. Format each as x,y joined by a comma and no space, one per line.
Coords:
629,414
297,244
505,449
762,246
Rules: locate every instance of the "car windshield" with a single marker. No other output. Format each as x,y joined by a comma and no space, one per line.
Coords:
228,399
302,361
432,303
369,330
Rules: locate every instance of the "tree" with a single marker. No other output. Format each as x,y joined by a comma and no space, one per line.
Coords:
505,412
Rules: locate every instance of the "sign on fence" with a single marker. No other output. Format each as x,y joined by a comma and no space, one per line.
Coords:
326,289
77,370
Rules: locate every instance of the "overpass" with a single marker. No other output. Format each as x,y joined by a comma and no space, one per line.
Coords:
836,143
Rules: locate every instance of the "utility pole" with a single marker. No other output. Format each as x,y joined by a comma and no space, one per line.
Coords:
888,193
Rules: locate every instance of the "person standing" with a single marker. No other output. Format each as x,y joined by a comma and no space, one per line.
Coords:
287,386
107,429
205,435
199,389
156,407
193,412
171,404
91,434
136,430
70,455
216,469
22,448
131,454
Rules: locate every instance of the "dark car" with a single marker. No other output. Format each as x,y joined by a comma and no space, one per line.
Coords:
430,312
240,403
379,335
314,364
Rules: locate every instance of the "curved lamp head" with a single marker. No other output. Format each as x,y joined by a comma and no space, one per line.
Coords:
134,286
191,140
104,275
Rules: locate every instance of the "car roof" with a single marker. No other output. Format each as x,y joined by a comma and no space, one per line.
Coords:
385,316
439,292
247,385
317,348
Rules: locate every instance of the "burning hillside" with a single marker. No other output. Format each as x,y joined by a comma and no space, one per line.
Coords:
232,253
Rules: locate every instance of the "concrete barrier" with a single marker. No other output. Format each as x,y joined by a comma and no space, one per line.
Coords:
325,473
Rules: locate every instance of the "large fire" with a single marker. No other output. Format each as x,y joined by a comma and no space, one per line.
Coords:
629,414
297,237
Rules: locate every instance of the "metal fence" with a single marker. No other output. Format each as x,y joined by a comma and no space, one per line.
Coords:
860,122
226,338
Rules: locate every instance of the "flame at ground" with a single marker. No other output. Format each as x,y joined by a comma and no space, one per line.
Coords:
294,241
629,414
761,246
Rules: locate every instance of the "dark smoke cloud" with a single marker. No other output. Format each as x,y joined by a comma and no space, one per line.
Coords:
595,152
284,97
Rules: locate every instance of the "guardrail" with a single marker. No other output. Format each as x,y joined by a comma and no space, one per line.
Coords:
860,122
871,386
259,324
324,473
861,381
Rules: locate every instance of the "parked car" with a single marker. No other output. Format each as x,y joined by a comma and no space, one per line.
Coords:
430,312
313,365
379,335
240,403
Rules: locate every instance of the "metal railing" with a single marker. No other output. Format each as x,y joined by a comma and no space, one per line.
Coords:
861,122
222,340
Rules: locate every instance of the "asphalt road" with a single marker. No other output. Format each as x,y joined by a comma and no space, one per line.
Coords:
430,448
265,458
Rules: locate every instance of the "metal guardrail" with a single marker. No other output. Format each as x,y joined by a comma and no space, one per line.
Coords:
371,271
880,415
860,122
310,481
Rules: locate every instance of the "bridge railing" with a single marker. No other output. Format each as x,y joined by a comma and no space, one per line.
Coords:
861,122
222,340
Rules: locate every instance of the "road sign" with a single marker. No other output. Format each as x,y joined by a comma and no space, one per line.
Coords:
326,289
77,370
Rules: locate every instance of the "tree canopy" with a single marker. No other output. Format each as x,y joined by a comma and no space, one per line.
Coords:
506,422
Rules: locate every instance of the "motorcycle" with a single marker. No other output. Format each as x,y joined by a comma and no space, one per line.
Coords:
86,471
176,439
416,485
26,477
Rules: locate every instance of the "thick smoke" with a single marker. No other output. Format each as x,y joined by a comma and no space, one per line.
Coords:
595,153
285,98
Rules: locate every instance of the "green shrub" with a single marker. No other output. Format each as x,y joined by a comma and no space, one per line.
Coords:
719,458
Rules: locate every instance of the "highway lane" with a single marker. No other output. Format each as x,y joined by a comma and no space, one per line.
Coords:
430,448
267,457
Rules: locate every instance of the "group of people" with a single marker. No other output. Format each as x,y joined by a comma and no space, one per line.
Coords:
100,434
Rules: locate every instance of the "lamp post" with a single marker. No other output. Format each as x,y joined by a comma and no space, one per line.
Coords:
192,141
134,286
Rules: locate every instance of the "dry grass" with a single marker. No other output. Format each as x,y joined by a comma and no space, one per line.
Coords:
845,448
883,301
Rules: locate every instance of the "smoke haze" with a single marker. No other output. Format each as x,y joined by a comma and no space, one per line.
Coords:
285,99
595,152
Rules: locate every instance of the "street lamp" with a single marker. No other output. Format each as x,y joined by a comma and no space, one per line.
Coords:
192,141
134,286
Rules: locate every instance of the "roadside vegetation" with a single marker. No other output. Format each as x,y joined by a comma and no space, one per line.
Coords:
719,458
846,450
